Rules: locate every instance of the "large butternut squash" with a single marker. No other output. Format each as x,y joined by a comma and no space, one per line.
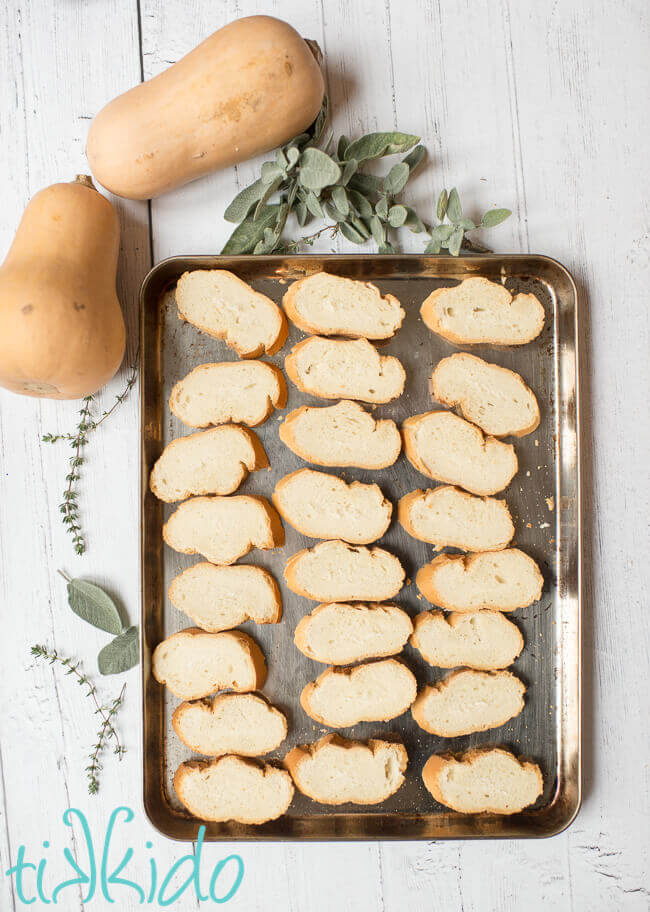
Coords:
249,87
61,326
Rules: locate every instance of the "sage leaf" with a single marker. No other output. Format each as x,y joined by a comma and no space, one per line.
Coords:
360,203
268,193
314,206
342,145
433,246
244,202
494,217
397,215
302,213
281,160
93,605
414,157
271,171
377,229
365,183
387,247
333,212
317,169
396,179
340,200
247,235
376,145
442,233
381,208
360,226
351,233
120,654
455,241
413,221
441,208
466,224
454,209
292,157
349,168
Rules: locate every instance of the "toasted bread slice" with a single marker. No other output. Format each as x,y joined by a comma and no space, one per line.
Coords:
335,571
230,723
449,517
501,580
339,633
484,780
447,448
493,397
324,506
334,770
478,310
228,391
220,304
371,692
344,369
223,529
344,434
195,664
220,598
483,640
331,305
233,788
468,701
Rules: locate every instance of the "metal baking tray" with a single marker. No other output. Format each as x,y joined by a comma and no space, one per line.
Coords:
544,499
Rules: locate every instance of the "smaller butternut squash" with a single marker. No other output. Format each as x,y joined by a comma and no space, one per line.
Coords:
61,328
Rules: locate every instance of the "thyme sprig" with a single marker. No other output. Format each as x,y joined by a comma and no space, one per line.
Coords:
104,733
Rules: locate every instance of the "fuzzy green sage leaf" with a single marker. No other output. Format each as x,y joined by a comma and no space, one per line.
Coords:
494,217
244,202
376,145
250,232
396,179
93,605
120,654
317,169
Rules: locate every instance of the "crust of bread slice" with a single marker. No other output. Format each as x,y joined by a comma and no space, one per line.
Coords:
449,517
345,369
220,598
321,505
230,723
241,392
480,311
447,448
331,305
484,640
194,664
483,780
334,770
223,529
501,581
337,571
490,396
233,788
370,692
220,304
344,435
339,633
468,701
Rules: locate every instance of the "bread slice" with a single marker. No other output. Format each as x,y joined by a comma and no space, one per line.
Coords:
331,305
339,633
448,517
334,770
499,580
468,701
344,434
210,462
230,723
483,780
195,664
223,306
477,639
493,397
244,392
220,598
223,529
335,571
447,448
371,692
233,788
324,506
344,369
478,310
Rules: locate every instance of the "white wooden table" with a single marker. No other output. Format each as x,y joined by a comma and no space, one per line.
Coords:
536,105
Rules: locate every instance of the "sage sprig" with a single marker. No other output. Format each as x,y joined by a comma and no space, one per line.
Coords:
451,232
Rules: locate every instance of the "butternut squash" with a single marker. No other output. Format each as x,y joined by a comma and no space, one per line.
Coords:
61,327
248,88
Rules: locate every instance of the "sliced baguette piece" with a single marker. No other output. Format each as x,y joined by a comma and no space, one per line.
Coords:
371,692
447,448
334,770
336,571
210,462
484,640
339,633
220,304
492,397
233,788
483,780
344,369
499,580
478,310
331,305
194,664
230,723
220,598
449,517
324,506
468,701
344,434
223,529
243,392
